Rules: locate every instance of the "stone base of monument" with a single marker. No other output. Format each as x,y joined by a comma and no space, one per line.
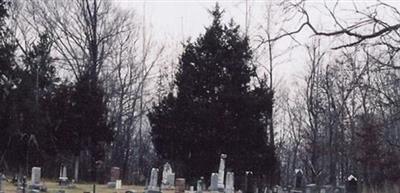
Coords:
37,188
63,181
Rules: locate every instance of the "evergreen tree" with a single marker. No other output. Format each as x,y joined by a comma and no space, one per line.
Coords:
8,83
216,109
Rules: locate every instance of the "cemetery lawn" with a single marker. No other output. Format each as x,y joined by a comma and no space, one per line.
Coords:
52,187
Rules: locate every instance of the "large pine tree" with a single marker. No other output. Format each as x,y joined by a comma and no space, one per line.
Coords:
215,108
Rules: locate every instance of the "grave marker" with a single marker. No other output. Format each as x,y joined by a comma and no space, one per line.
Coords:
180,185
214,182
168,177
229,188
221,173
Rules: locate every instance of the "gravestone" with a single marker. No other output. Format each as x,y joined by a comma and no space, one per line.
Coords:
36,175
36,184
221,173
180,185
299,179
213,183
114,176
2,178
168,177
229,188
118,184
351,184
63,179
153,184
191,190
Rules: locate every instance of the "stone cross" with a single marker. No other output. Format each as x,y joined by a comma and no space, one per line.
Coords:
221,172
229,188
214,182
36,174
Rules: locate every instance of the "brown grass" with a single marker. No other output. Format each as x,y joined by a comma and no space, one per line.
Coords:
53,187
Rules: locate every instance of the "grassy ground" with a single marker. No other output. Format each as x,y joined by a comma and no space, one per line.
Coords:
53,187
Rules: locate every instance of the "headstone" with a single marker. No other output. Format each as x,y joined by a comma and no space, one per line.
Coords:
36,174
118,184
2,178
153,184
180,185
36,184
221,173
229,188
63,179
168,177
131,191
214,182
351,184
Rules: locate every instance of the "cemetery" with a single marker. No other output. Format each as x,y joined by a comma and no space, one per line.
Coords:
199,96
221,182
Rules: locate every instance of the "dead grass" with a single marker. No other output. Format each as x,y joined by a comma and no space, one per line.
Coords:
53,187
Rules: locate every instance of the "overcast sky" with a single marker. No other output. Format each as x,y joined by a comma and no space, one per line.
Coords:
172,21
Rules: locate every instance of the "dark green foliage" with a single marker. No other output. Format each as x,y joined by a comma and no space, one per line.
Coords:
27,112
215,109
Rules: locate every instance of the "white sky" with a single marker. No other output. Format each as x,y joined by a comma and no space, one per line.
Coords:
172,21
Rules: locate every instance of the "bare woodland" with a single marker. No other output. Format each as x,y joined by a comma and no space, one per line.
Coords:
340,117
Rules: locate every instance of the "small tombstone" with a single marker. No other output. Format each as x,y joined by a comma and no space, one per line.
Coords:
36,174
63,179
351,184
118,184
299,178
168,177
221,173
36,184
2,178
153,184
229,187
180,185
214,182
